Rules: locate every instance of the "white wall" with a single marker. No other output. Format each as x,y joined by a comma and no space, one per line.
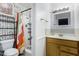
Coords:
76,13
42,11
18,7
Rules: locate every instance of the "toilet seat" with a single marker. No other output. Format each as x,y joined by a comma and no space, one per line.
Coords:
11,52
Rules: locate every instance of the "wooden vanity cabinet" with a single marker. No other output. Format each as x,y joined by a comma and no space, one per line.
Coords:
60,47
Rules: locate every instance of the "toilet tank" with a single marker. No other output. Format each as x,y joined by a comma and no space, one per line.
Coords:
6,44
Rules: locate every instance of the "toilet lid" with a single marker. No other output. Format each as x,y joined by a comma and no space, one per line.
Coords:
11,51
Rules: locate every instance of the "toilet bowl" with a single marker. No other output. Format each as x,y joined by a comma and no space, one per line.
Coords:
6,44
11,52
7,47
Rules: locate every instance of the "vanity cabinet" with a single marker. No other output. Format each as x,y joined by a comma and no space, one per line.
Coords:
61,47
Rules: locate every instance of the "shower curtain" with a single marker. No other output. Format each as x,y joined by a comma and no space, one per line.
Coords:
20,33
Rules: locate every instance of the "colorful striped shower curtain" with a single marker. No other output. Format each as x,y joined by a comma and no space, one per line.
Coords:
20,33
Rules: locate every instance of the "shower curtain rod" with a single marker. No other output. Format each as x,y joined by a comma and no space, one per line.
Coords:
26,10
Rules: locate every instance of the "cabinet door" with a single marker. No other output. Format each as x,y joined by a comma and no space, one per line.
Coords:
52,50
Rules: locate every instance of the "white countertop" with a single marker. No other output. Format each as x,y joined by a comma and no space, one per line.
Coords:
74,38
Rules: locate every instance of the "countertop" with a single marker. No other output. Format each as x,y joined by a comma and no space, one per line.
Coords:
74,38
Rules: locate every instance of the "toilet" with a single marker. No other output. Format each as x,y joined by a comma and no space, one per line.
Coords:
7,47
11,52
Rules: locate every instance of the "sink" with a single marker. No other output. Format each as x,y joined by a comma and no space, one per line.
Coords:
60,35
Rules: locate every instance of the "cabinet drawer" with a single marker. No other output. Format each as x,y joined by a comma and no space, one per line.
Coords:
53,40
69,49
69,43
65,54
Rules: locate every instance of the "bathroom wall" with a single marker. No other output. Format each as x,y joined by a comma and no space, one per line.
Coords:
65,29
41,12
76,13
6,8
18,7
